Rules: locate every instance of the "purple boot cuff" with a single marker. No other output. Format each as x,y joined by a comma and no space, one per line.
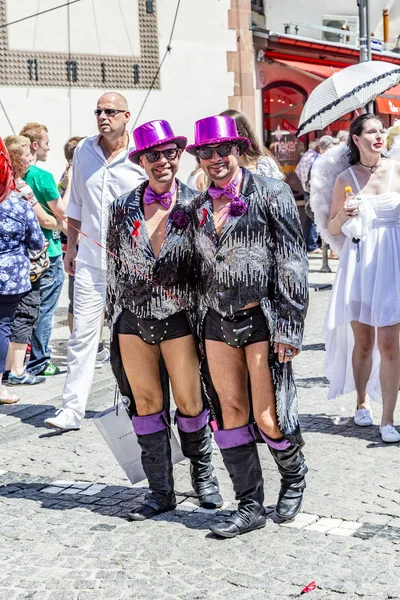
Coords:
150,423
231,438
192,424
282,444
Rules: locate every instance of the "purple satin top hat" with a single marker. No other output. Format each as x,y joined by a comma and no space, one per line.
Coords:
217,130
152,134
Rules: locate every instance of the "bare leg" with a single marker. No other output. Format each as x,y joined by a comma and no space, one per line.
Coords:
180,357
228,372
262,389
141,364
364,339
70,319
16,355
388,344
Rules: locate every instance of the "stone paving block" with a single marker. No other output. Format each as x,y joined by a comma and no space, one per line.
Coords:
51,490
62,483
341,531
350,525
207,511
187,507
317,527
329,523
306,518
96,488
71,491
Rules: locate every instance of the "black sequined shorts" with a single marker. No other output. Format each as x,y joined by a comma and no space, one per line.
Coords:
154,331
244,328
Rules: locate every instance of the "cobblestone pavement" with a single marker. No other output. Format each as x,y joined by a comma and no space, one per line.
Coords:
63,503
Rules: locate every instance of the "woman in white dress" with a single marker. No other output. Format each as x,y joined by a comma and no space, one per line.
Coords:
257,159
362,325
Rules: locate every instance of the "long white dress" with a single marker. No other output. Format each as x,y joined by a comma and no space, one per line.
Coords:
366,289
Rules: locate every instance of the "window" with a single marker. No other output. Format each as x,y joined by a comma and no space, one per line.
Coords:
135,74
72,70
150,7
33,69
258,6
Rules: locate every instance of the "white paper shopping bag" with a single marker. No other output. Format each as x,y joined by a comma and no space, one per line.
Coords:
116,428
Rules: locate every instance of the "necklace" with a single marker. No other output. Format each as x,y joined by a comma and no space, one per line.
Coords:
373,168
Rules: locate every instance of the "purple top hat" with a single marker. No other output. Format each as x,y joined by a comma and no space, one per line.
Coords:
151,134
217,130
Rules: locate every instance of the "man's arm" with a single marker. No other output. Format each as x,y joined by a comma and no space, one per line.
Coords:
72,245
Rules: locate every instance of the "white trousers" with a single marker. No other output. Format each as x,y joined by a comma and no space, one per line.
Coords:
89,303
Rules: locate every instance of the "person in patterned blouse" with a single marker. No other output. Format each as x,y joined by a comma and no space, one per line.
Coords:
19,231
253,295
150,300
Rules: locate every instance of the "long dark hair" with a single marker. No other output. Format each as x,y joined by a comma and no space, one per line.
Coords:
245,130
356,127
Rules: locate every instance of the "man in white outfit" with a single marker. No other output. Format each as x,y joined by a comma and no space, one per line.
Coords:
102,172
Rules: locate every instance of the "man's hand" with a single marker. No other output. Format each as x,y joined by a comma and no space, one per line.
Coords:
285,352
69,260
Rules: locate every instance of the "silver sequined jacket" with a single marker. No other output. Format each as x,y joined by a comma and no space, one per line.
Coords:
147,286
259,257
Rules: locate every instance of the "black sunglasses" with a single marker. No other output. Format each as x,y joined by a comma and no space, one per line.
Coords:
207,152
155,155
109,112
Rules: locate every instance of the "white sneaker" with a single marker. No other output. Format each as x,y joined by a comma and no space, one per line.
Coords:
363,417
63,420
389,434
103,355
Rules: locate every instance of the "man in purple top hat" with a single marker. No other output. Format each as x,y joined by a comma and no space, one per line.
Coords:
253,300
150,296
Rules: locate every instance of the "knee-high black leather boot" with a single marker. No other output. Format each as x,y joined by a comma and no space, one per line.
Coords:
195,436
293,469
153,437
240,456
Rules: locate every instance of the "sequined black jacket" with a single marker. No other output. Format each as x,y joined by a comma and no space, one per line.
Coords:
147,286
259,257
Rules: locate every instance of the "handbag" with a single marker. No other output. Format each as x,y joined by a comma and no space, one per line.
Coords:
40,263
116,428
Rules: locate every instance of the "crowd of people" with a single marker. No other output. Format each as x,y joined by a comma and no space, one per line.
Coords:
207,279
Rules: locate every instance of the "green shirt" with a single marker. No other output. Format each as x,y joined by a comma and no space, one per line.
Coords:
45,189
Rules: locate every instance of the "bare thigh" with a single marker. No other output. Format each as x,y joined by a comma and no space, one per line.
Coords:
141,364
229,375
262,388
182,362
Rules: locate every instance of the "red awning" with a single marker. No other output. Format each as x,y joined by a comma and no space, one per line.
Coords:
323,71
389,102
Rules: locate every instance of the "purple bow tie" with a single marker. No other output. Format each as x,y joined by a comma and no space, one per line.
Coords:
164,199
236,206
228,191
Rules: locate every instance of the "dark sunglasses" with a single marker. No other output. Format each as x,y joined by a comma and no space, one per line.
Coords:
154,156
109,112
207,152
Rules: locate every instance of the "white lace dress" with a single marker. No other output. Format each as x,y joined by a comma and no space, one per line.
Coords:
366,289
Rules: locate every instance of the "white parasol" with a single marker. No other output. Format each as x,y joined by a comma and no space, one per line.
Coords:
345,91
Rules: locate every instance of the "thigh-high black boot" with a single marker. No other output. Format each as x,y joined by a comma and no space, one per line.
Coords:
153,436
293,469
195,436
240,456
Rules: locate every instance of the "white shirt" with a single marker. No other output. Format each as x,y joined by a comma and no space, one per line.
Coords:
95,185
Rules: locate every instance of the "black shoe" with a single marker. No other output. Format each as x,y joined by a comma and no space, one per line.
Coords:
293,469
196,446
157,465
243,466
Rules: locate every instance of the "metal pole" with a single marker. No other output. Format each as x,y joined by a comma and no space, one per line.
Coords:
325,264
362,15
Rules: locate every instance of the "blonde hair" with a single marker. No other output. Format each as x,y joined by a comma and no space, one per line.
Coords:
33,131
392,133
15,145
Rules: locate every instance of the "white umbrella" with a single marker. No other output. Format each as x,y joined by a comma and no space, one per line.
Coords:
345,91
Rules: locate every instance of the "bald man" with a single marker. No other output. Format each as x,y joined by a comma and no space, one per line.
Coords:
101,173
